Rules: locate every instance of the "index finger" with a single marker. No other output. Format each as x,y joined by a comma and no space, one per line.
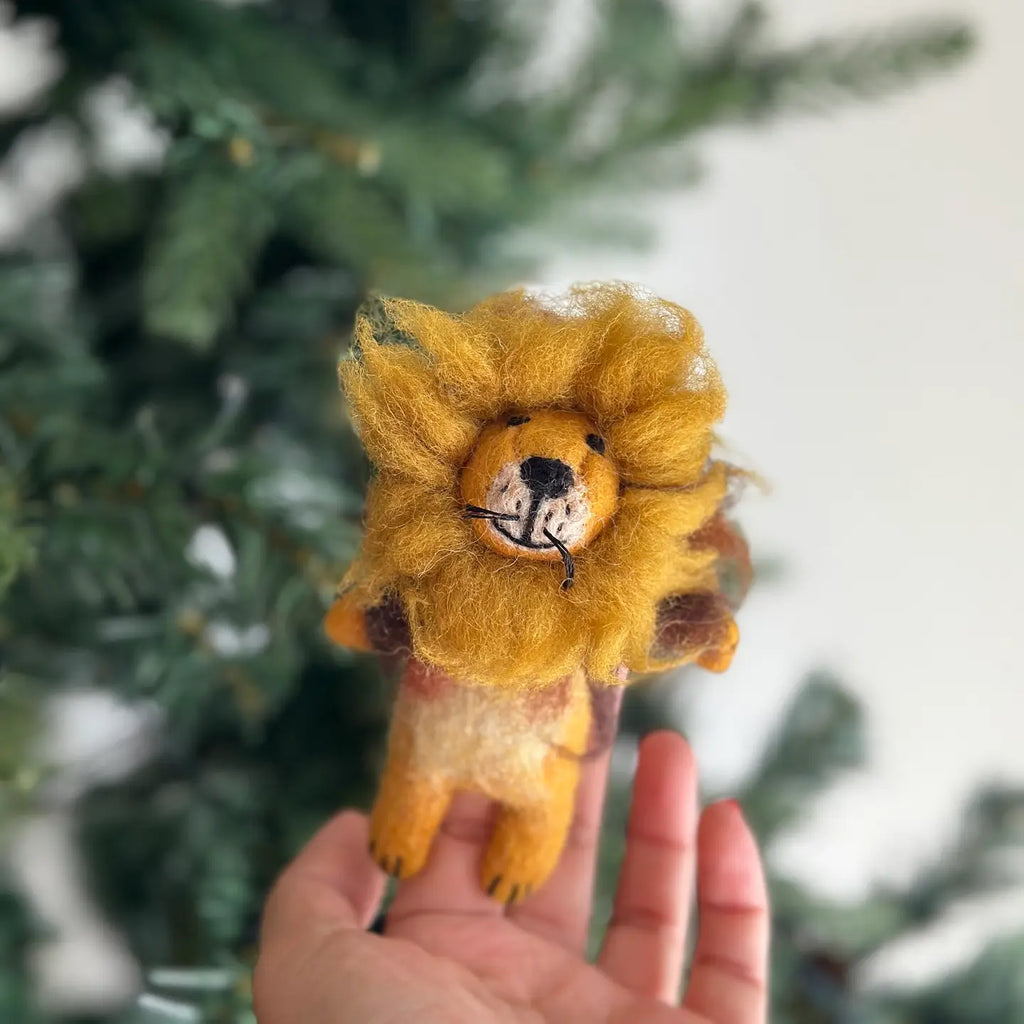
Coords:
333,882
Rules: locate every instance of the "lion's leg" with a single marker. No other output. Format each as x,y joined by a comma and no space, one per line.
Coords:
408,810
528,838
531,829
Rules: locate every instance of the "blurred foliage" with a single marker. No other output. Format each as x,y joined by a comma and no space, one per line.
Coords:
179,490
19,931
993,980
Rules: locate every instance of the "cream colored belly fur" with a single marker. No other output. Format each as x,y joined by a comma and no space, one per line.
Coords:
488,740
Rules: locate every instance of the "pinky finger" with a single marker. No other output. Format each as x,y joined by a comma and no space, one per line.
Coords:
728,982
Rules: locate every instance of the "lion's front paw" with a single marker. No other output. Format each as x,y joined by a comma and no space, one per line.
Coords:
521,855
718,658
399,847
405,817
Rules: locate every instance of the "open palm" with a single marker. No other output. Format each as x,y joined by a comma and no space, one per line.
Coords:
450,955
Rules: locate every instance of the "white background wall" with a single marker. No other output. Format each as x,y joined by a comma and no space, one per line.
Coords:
860,280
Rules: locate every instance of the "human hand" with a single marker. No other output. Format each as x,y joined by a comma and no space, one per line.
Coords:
451,955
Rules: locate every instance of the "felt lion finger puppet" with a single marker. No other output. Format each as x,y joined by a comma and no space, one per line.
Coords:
545,520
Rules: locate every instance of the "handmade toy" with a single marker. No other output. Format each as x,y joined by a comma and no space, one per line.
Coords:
544,521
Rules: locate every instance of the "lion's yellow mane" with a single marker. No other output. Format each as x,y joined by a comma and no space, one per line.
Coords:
637,366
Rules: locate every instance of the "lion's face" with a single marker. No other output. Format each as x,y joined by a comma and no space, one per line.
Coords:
538,482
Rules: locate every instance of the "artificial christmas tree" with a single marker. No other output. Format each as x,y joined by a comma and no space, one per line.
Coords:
179,488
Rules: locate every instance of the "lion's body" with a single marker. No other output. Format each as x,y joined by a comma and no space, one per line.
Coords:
522,753
542,493
487,738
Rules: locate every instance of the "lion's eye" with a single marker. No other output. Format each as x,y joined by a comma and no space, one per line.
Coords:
518,421
596,442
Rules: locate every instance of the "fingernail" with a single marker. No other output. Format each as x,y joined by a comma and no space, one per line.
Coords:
733,805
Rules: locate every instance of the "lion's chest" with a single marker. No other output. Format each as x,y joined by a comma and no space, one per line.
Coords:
486,739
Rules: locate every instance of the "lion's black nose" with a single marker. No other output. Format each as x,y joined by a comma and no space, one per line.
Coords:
546,478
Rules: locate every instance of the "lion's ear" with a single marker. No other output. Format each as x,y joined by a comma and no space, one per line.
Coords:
345,624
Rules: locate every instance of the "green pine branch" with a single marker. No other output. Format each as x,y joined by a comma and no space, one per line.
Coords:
21,726
17,548
209,231
742,77
343,217
821,735
989,988
18,932
983,856
863,67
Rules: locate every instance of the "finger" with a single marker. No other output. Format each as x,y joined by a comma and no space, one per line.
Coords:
560,910
730,964
333,881
644,947
450,880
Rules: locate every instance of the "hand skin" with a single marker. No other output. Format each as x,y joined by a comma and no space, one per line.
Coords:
450,955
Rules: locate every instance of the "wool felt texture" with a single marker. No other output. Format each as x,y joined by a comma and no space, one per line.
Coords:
571,491
630,370
545,518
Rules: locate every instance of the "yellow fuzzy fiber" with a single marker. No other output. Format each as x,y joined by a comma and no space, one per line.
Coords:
637,369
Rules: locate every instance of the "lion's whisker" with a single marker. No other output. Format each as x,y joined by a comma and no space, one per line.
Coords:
476,512
567,560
